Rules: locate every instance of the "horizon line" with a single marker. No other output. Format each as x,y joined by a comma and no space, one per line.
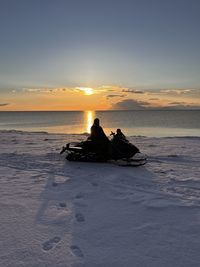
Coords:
102,110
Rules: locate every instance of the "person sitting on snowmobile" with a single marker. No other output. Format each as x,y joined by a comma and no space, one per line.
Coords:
97,133
121,147
97,141
120,136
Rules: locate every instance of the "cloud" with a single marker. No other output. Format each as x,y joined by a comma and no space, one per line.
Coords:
131,104
182,105
111,87
97,90
177,103
133,91
177,91
41,90
4,104
114,95
166,91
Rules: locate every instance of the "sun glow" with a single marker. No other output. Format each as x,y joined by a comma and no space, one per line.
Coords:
87,90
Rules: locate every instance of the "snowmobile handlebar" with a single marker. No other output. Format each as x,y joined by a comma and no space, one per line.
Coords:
112,133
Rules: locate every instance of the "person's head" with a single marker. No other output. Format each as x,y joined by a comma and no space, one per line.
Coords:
119,131
96,122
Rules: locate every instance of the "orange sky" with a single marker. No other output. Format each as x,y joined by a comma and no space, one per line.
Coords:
100,98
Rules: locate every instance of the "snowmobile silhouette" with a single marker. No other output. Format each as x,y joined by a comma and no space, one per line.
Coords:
119,151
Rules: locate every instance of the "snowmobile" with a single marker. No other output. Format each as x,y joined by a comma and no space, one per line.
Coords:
121,152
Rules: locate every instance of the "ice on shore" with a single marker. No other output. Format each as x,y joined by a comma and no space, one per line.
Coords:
59,214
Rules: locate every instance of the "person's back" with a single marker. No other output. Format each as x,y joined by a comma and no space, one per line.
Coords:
97,133
100,141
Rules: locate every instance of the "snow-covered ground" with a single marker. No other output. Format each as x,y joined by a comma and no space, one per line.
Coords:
56,213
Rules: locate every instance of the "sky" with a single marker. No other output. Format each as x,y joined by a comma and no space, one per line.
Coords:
93,55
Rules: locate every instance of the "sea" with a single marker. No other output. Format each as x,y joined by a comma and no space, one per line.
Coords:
150,123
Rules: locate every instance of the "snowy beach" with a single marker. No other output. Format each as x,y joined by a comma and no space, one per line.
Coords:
59,214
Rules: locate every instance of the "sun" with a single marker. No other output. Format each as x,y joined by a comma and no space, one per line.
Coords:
87,90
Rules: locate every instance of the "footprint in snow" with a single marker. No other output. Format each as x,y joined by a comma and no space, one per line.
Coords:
173,156
79,217
94,183
77,251
79,195
49,244
62,205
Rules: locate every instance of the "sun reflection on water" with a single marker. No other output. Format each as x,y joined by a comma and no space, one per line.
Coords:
89,118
